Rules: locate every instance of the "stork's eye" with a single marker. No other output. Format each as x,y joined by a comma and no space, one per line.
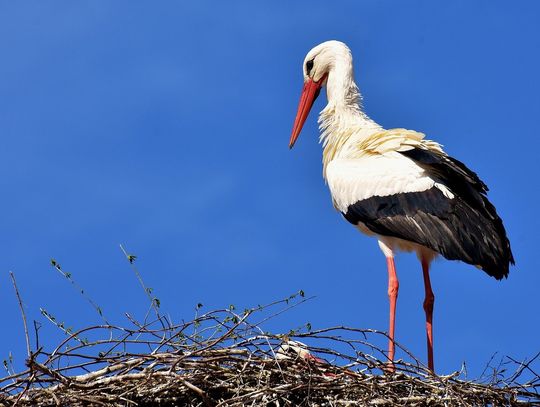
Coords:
309,66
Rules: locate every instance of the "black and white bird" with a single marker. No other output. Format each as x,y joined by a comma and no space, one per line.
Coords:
396,185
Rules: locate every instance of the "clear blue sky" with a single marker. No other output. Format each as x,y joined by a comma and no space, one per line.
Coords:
164,126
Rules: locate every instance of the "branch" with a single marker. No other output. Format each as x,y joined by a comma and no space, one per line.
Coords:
21,307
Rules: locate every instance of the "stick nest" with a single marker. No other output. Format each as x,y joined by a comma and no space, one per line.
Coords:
224,358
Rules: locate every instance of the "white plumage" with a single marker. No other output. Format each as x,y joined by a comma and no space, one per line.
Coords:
353,180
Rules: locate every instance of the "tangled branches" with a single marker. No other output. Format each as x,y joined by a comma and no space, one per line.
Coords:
224,358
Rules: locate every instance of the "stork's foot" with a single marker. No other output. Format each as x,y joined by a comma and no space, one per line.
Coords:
389,367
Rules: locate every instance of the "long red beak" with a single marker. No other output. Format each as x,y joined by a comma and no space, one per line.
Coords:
309,94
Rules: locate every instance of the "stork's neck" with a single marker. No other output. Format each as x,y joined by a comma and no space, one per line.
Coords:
343,122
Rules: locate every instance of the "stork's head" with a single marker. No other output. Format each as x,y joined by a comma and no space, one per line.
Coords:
319,64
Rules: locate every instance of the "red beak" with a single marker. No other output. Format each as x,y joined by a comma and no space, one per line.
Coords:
309,94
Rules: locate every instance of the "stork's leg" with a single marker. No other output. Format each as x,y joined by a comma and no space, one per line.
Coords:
428,308
393,287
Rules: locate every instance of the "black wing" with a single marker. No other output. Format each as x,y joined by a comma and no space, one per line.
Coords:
465,227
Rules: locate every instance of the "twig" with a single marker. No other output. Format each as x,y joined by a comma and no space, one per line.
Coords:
21,307
154,302
81,291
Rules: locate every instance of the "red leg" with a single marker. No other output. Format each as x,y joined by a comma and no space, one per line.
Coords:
393,287
428,308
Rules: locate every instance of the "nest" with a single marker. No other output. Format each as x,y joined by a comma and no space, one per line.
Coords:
224,358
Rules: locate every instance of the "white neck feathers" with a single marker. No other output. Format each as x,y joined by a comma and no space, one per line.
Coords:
342,122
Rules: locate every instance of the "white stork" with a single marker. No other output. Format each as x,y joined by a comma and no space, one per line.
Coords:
398,186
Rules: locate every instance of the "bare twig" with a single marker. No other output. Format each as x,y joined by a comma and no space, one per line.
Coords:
81,291
21,307
154,301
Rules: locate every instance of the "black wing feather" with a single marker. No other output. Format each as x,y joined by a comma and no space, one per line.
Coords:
465,228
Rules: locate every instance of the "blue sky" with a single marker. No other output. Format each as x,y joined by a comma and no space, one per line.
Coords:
164,127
